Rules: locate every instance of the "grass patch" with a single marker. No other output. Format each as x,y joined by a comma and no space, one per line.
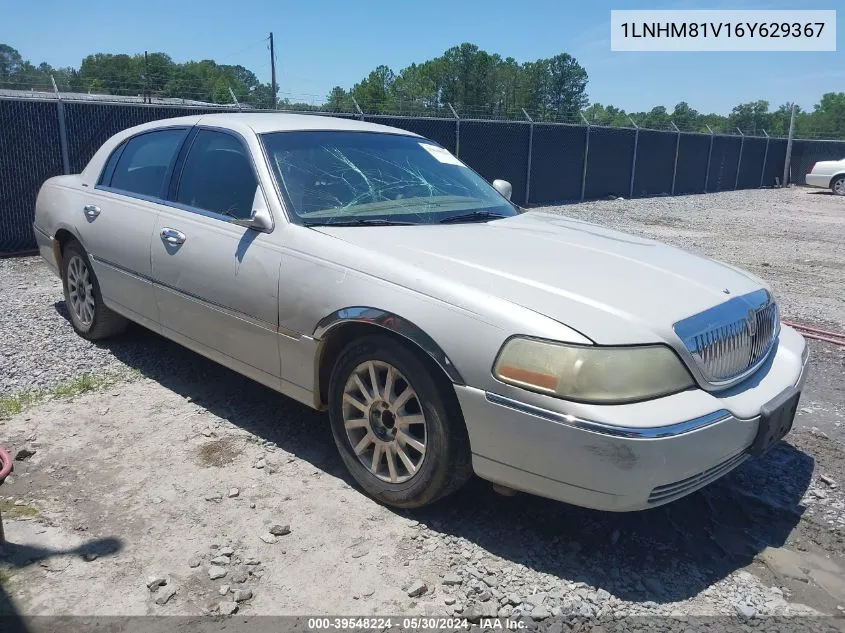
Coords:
15,403
10,511
5,577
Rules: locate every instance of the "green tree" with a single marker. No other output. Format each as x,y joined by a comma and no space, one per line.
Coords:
685,117
566,88
11,64
828,117
338,101
374,94
751,118
656,119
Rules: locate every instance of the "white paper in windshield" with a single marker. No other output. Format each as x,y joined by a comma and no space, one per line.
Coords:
442,155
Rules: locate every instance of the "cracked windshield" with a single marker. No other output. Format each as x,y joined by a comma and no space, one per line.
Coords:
337,178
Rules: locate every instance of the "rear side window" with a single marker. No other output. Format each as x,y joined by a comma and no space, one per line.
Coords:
218,175
143,165
111,163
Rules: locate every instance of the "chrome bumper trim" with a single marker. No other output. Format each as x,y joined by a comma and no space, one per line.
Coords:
651,433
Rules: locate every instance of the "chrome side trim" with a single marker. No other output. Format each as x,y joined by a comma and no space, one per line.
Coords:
394,323
656,432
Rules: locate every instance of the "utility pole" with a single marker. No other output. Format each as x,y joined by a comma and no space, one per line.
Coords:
146,80
789,147
273,69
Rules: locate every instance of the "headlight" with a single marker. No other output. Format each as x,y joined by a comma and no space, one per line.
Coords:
591,374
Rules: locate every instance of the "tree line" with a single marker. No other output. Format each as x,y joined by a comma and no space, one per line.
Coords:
472,81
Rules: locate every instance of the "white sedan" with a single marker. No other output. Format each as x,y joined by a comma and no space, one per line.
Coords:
828,174
367,271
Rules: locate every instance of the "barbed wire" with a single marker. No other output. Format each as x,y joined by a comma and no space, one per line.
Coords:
175,91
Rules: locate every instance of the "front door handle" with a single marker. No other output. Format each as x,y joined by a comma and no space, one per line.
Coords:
91,210
172,236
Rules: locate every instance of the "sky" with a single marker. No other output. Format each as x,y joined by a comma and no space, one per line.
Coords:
320,44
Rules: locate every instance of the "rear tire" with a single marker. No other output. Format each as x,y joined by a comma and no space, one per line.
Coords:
88,314
838,186
403,439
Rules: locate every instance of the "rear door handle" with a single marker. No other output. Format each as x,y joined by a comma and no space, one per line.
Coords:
172,236
91,210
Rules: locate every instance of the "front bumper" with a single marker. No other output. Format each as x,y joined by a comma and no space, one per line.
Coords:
625,457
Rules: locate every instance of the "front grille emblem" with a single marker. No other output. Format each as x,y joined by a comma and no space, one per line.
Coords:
751,323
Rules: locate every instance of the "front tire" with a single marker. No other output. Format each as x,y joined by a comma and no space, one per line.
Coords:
399,430
838,186
88,314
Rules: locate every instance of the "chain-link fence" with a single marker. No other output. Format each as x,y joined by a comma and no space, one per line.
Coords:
545,161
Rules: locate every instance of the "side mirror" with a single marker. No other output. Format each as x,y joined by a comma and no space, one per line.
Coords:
503,187
261,219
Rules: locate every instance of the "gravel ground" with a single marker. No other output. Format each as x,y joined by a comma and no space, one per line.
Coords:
793,238
136,481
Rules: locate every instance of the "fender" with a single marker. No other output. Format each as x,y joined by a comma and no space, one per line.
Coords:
395,323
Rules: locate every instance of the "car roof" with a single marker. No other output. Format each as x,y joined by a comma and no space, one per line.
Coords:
245,123
263,122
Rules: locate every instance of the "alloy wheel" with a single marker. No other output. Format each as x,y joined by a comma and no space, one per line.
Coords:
384,421
80,291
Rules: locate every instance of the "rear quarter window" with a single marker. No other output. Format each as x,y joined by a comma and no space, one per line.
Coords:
143,165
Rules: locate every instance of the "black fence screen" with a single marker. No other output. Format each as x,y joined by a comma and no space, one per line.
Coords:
497,149
609,162
724,160
655,162
557,162
693,150
751,166
31,152
775,162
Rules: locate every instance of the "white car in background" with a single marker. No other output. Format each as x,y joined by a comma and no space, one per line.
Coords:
828,174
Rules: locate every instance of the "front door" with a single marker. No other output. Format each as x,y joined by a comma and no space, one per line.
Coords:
216,283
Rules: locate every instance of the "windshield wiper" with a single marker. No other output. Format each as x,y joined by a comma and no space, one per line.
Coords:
473,216
361,222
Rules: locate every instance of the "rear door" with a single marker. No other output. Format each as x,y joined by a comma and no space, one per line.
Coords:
217,282
118,219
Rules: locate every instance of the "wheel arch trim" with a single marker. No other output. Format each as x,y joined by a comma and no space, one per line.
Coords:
389,321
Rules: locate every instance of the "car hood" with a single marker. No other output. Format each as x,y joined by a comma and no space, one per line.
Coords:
612,287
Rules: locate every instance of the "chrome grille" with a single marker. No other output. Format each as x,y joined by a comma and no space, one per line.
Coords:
730,339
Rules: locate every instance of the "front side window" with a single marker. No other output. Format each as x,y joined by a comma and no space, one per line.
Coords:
331,177
143,165
218,176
